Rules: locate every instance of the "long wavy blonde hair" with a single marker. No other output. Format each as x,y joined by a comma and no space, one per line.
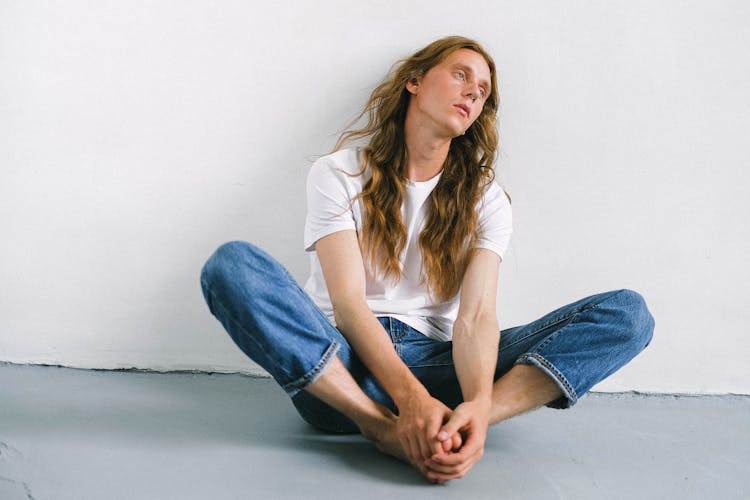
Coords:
450,230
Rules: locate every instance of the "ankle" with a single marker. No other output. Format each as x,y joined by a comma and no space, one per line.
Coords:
376,424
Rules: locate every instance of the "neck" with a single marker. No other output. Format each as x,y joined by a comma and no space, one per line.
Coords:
425,152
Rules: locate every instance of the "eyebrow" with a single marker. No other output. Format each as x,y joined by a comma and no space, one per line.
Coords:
485,83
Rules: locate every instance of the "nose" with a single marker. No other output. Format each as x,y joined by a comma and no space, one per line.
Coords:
472,90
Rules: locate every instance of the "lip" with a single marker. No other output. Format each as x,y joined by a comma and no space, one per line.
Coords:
464,109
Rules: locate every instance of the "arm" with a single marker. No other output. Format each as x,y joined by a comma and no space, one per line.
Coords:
476,336
420,415
476,333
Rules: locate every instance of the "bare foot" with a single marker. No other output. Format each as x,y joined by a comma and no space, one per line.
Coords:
382,431
387,442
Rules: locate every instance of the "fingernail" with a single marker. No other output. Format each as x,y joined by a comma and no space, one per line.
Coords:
442,435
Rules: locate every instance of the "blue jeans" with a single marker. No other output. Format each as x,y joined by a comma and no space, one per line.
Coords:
275,323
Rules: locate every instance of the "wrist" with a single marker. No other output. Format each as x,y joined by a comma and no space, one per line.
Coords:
408,393
482,404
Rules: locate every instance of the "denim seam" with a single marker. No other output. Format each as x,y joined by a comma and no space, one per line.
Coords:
294,387
550,323
306,296
596,305
559,319
397,331
570,393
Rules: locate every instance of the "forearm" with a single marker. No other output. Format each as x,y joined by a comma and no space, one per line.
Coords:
419,414
372,344
475,348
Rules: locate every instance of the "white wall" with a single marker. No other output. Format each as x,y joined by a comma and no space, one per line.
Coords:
135,137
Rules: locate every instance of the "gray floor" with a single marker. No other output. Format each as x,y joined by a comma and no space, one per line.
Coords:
81,434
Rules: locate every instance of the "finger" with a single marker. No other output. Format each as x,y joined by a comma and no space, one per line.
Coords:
434,444
453,443
437,468
440,477
457,473
452,426
444,478
455,459
469,448
452,471
447,446
456,442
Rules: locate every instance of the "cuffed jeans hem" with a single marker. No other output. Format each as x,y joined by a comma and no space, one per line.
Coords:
569,397
294,387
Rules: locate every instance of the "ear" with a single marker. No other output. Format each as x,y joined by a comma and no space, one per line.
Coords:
412,85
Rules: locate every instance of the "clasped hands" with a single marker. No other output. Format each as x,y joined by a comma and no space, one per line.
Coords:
443,444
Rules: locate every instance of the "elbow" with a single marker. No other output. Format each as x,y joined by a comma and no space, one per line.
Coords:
479,325
345,311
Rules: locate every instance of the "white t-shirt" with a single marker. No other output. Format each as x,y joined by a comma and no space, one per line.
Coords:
329,209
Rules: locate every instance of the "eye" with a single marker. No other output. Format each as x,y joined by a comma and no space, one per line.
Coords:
482,93
460,75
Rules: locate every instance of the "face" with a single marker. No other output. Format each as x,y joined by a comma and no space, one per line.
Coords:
451,95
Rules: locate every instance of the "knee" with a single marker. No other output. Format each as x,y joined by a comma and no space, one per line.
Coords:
242,270
636,318
223,261
232,263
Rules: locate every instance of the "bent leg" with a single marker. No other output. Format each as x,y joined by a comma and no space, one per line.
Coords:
575,346
551,361
326,403
277,325
523,388
267,315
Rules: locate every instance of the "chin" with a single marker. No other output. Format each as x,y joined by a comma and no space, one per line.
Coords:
459,132
462,129
456,130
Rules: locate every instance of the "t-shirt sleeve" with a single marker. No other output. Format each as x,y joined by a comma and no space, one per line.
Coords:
495,221
328,203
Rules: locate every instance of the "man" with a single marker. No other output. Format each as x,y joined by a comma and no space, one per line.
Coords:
380,341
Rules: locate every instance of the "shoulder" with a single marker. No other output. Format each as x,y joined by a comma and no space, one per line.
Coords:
342,163
494,195
494,209
336,175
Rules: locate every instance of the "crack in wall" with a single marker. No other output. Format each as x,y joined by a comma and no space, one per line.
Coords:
23,484
7,452
26,488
